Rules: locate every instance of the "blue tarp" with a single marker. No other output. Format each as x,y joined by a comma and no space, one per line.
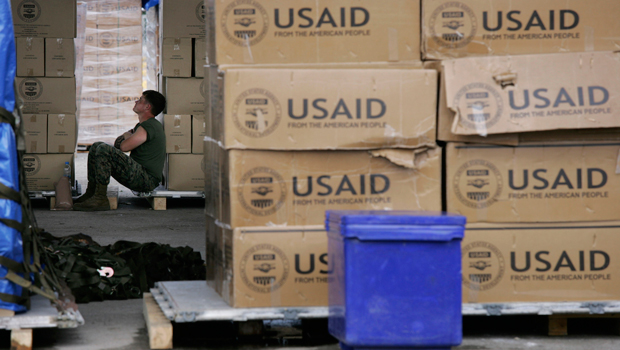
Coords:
147,4
10,239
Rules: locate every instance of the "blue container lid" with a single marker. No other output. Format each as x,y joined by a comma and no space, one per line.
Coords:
395,225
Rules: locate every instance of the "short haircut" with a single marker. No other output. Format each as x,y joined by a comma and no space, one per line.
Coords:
156,100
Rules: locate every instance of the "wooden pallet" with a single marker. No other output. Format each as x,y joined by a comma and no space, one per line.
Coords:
157,325
558,324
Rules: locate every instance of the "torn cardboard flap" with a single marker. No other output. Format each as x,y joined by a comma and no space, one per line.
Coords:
406,158
487,98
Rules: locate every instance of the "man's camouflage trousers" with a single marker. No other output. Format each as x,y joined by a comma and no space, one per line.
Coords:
105,161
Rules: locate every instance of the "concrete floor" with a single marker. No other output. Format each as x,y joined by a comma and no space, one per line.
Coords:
120,324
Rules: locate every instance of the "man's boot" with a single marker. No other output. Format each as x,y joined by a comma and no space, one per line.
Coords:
98,202
90,191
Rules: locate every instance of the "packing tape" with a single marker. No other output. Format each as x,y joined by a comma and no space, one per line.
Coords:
61,119
209,139
33,146
60,72
618,163
177,121
29,44
392,44
218,223
177,44
59,43
33,118
247,51
61,148
588,42
260,120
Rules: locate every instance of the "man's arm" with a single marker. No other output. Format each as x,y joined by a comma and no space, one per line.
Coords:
121,138
133,140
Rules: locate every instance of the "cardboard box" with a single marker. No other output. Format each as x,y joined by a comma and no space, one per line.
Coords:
176,57
35,126
560,262
258,188
184,95
118,12
198,134
494,95
30,54
200,57
308,31
47,95
182,18
49,18
59,57
539,182
312,108
42,170
178,130
268,266
186,172
61,133
481,27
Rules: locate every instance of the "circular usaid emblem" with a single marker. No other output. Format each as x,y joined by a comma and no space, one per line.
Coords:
29,11
477,184
200,11
30,89
32,164
106,69
256,112
483,265
264,268
480,106
106,40
262,191
244,22
453,25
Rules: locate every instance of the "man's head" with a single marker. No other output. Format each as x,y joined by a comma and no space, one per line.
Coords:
152,101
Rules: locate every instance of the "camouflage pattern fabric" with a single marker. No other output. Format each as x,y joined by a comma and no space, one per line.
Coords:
105,161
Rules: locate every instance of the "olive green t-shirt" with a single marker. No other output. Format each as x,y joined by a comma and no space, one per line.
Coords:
152,153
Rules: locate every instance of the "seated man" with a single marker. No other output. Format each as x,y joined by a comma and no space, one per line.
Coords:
142,170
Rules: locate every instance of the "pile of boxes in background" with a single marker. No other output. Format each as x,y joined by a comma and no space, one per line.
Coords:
45,34
311,105
178,31
112,74
529,112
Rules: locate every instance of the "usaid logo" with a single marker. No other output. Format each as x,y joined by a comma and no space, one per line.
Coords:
30,89
484,266
29,11
244,22
256,112
262,191
200,11
480,106
32,164
453,25
477,183
264,268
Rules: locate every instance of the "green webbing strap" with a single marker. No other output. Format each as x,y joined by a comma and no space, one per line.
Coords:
12,264
13,224
13,299
24,283
7,117
8,193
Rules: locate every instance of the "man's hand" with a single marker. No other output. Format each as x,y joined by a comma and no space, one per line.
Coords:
117,143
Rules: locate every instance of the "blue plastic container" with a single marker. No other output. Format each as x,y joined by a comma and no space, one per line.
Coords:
395,279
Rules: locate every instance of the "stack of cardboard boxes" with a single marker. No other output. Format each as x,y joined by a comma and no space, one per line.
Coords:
45,34
181,60
311,105
112,75
529,92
